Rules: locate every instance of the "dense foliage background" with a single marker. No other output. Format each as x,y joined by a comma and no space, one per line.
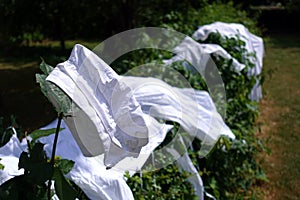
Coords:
26,21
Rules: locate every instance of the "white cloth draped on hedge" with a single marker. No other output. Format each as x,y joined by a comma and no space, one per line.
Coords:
114,123
253,44
191,50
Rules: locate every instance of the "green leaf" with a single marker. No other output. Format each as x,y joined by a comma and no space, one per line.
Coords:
37,169
55,95
47,69
62,187
10,190
65,165
37,154
39,172
23,161
42,133
19,187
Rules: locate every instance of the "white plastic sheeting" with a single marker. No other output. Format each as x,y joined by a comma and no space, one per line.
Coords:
82,78
9,155
117,126
254,44
112,112
108,111
194,110
191,50
88,172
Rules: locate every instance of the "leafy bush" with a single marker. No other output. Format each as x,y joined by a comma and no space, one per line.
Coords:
231,169
186,17
226,12
166,183
37,171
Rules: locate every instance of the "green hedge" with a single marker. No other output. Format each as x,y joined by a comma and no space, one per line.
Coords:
231,169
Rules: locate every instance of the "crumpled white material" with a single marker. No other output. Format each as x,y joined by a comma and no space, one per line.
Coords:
9,154
191,50
194,110
93,85
112,113
88,172
185,163
254,44
117,127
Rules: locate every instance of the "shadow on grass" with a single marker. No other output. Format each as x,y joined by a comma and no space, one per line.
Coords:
287,40
20,95
24,54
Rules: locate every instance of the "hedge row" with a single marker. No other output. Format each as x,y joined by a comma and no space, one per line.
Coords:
231,169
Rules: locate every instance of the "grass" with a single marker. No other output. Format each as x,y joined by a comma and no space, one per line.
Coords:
281,117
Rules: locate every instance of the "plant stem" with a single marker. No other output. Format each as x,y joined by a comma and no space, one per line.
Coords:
60,116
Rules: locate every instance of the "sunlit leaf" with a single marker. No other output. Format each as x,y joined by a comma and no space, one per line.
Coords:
47,69
65,165
55,95
35,135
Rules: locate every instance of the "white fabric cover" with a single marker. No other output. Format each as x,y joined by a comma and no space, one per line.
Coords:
185,164
99,96
254,44
191,50
88,172
93,129
9,154
117,126
194,110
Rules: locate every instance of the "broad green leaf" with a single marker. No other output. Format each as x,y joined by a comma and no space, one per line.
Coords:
35,135
39,173
47,69
10,190
35,172
37,153
37,169
63,189
23,161
55,95
65,165
20,187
